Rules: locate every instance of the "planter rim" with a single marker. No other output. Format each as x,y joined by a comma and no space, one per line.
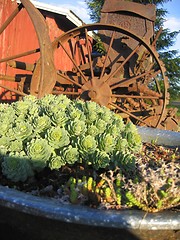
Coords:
161,137
55,210
123,219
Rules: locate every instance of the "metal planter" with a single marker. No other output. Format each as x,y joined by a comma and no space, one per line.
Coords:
41,218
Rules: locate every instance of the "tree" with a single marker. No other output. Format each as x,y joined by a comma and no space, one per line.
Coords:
171,58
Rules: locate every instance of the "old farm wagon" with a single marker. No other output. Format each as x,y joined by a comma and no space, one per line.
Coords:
114,62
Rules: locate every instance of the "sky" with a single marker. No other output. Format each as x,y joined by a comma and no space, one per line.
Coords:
79,7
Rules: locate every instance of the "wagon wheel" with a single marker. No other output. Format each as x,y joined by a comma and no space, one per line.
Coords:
26,77
130,81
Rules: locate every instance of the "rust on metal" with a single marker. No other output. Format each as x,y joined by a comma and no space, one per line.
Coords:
147,11
45,81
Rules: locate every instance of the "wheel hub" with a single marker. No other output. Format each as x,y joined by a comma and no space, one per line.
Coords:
97,90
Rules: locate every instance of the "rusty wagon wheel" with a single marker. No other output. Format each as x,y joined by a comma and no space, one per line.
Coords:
14,65
104,69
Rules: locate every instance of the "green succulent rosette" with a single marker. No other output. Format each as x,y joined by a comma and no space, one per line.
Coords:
52,105
30,100
118,122
90,110
56,162
41,123
16,167
57,137
126,161
16,146
62,101
33,111
70,154
22,130
75,113
113,130
106,142
10,134
51,109
90,106
132,136
121,144
59,118
87,145
4,145
101,125
3,107
47,100
92,130
7,119
39,151
100,159
5,126
76,127
106,114
21,107
91,117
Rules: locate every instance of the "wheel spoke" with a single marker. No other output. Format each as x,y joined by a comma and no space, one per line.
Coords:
73,61
8,78
107,55
89,56
20,55
134,96
68,79
130,114
13,15
66,93
13,90
125,61
126,82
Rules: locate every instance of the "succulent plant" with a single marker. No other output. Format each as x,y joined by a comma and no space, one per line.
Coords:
39,152
41,123
70,154
86,145
22,130
57,137
76,127
106,142
56,162
55,131
17,167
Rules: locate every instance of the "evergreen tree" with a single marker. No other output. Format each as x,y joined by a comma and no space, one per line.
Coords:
170,58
